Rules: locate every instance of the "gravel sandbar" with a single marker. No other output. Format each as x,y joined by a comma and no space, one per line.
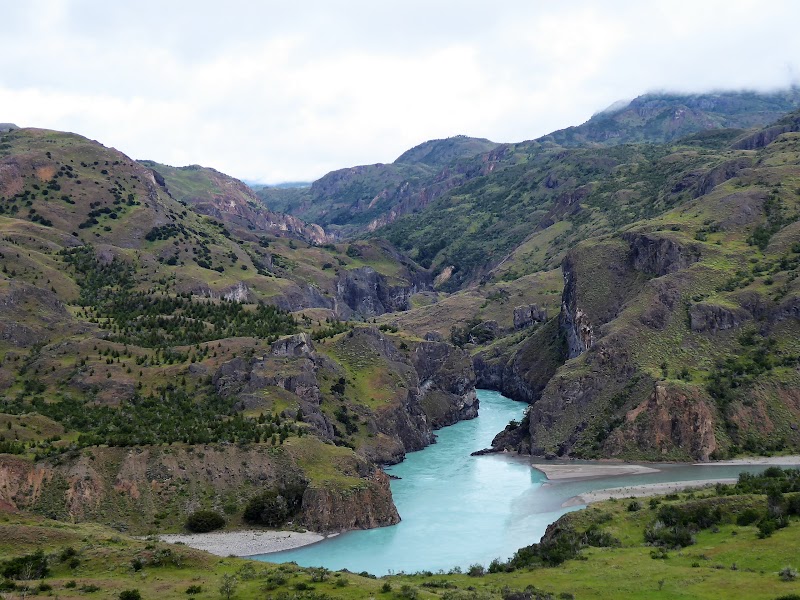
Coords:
245,543
557,471
637,491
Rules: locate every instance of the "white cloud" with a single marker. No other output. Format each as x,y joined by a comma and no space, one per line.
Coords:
287,91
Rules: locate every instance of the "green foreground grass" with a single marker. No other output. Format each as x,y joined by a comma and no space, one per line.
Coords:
724,561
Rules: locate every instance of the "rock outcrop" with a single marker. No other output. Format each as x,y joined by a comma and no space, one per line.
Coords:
706,316
671,422
658,254
365,506
525,316
790,123
721,174
432,385
366,293
447,383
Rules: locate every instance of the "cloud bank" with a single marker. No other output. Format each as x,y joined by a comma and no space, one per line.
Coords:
288,91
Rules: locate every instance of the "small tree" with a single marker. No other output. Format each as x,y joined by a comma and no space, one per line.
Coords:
227,588
130,595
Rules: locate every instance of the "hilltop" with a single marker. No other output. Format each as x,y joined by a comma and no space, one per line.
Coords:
666,117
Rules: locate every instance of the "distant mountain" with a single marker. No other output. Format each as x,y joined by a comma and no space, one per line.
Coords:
6,127
663,117
367,197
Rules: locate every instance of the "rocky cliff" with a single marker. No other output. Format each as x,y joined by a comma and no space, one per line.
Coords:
152,489
365,506
366,293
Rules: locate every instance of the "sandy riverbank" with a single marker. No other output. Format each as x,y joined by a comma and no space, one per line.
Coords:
557,471
793,460
638,491
245,543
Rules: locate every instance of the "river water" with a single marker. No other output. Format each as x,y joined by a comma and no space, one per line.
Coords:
458,509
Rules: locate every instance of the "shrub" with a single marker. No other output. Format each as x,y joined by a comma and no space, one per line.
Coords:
660,534
130,595
476,570
202,521
748,517
634,506
269,508
194,589
227,587
67,553
769,525
408,592
594,536
386,587
273,508
562,546
497,566
788,574
30,566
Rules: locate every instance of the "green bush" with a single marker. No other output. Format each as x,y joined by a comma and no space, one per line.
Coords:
202,521
130,595
748,517
268,508
272,508
30,566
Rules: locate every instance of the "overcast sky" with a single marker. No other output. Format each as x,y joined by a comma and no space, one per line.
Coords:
284,91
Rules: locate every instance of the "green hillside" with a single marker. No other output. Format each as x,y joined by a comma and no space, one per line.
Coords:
136,316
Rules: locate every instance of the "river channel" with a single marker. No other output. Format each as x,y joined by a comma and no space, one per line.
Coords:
458,509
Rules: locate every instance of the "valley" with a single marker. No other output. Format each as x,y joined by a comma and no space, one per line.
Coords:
174,343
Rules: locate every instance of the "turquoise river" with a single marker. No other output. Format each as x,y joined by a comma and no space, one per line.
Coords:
458,509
